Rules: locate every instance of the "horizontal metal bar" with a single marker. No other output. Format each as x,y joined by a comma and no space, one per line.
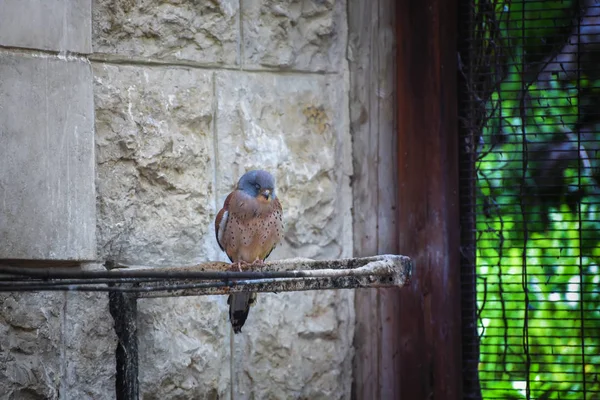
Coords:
17,282
276,276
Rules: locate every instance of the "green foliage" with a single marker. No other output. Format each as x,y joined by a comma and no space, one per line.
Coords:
538,223
532,27
555,265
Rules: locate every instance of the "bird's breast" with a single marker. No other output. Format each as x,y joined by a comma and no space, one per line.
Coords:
248,238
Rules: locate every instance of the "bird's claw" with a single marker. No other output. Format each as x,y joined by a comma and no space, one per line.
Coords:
259,262
237,266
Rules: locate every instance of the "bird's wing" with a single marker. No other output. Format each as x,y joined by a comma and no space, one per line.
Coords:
221,221
278,211
277,205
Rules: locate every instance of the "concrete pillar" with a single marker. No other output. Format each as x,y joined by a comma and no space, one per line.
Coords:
47,191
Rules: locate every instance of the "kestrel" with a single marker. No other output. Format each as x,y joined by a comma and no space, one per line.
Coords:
248,228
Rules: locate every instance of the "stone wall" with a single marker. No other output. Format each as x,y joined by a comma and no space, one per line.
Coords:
187,96
52,345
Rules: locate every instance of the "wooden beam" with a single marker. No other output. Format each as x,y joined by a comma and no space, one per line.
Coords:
428,209
372,54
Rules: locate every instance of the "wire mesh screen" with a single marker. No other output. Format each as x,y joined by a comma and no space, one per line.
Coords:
530,204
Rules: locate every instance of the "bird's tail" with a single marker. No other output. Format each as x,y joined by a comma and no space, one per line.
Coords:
239,307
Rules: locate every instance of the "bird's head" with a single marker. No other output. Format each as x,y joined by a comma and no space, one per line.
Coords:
259,184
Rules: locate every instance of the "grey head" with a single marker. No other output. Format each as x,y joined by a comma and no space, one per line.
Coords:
258,183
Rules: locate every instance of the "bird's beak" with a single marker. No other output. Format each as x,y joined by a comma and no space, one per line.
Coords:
266,193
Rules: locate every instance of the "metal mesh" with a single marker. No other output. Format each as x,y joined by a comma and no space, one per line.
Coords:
530,204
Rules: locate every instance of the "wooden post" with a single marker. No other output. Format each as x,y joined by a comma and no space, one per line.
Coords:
372,53
428,208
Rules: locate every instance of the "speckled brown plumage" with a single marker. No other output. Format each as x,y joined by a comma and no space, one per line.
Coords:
248,228
252,229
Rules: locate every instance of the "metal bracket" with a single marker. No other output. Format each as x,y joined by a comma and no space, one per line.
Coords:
123,308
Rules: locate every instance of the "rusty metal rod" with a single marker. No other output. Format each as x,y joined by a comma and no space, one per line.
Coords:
210,271
214,288
379,271
329,273
5,283
267,285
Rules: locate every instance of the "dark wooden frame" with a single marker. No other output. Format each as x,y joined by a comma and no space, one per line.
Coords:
428,202
408,343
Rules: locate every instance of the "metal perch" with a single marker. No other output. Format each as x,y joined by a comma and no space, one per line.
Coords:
215,278
127,283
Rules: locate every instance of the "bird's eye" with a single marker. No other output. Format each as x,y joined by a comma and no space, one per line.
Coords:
257,186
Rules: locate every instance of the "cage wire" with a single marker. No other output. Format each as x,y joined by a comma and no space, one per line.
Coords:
530,204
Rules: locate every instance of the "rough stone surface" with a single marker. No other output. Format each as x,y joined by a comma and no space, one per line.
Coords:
184,348
59,25
156,203
31,355
155,184
298,346
201,31
170,144
295,34
47,164
89,342
296,127
56,346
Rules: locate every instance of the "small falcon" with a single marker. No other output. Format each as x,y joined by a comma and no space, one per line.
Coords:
248,228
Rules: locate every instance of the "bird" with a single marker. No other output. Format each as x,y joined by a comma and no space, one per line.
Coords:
248,228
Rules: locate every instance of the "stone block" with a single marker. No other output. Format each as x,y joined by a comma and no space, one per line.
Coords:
296,346
296,34
47,207
156,203
59,25
206,31
154,138
56,345
184,348
89,341
297,128
31,353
